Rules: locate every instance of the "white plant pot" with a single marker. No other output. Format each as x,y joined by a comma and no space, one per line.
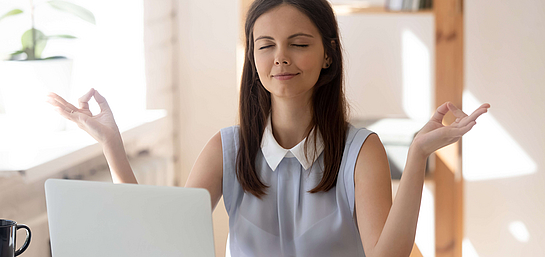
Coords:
23,89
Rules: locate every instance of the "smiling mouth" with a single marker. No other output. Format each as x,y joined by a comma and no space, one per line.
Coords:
285,77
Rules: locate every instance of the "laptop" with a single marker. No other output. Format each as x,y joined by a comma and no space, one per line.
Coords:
89,218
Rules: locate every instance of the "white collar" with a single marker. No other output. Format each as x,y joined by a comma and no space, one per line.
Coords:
274,153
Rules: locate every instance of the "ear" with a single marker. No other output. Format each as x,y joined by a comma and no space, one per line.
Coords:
327,60
327,63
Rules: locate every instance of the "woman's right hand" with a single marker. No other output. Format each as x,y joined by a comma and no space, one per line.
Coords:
102,126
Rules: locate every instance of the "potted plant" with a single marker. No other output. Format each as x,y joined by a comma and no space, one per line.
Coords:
26,76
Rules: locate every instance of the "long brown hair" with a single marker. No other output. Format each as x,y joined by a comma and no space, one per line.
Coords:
329,107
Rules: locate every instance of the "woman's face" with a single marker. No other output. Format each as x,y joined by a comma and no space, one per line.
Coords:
286,41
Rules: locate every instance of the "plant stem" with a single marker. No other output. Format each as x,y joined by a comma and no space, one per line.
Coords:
33,50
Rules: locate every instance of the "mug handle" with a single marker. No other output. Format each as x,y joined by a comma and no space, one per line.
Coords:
27,240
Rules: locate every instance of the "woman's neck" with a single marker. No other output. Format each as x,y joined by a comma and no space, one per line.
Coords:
291,120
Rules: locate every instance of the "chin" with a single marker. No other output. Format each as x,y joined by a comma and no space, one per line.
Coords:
290,93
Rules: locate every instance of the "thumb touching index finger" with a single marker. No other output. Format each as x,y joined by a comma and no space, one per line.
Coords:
440,113
101,101
84,99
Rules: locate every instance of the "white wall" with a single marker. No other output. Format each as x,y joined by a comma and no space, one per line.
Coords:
503,157
159,43
389,64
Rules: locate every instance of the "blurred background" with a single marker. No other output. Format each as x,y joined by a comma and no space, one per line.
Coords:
170,70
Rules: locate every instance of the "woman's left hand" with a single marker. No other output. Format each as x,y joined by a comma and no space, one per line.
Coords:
434,135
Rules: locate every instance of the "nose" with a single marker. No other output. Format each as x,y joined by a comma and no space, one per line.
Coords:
284,61
281,58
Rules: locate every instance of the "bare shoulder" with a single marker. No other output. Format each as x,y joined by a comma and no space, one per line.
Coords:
215,144
371,148
372,145
372,161
207,172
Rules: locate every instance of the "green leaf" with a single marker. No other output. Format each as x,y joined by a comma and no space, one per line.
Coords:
74,9
60,36
10,13
14,55
18,52
28,45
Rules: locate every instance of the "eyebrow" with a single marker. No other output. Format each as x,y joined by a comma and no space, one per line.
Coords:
292,36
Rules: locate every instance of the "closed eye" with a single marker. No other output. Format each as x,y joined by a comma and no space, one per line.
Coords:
293,45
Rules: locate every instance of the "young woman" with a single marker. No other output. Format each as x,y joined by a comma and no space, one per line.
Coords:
296,177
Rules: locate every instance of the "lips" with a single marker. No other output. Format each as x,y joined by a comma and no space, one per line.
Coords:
287,76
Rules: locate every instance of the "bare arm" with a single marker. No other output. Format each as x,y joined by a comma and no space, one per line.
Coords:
120,169
386,229
207,172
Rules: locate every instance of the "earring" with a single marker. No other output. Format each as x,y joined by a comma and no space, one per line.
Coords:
327,65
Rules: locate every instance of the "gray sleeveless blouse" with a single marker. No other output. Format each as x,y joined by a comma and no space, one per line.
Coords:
289,221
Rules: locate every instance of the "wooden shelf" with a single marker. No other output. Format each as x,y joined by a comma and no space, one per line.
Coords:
345,9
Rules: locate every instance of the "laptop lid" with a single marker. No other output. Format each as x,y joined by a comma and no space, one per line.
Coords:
89,218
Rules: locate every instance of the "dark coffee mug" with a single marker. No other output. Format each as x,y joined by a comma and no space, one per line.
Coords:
8,236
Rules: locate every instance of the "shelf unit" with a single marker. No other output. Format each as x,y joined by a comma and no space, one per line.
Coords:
446,177
347,9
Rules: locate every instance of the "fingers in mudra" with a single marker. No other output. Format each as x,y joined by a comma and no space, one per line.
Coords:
463,119
435,135
56,100
461,130
67,114
465,123
102,103
62,106
84,100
